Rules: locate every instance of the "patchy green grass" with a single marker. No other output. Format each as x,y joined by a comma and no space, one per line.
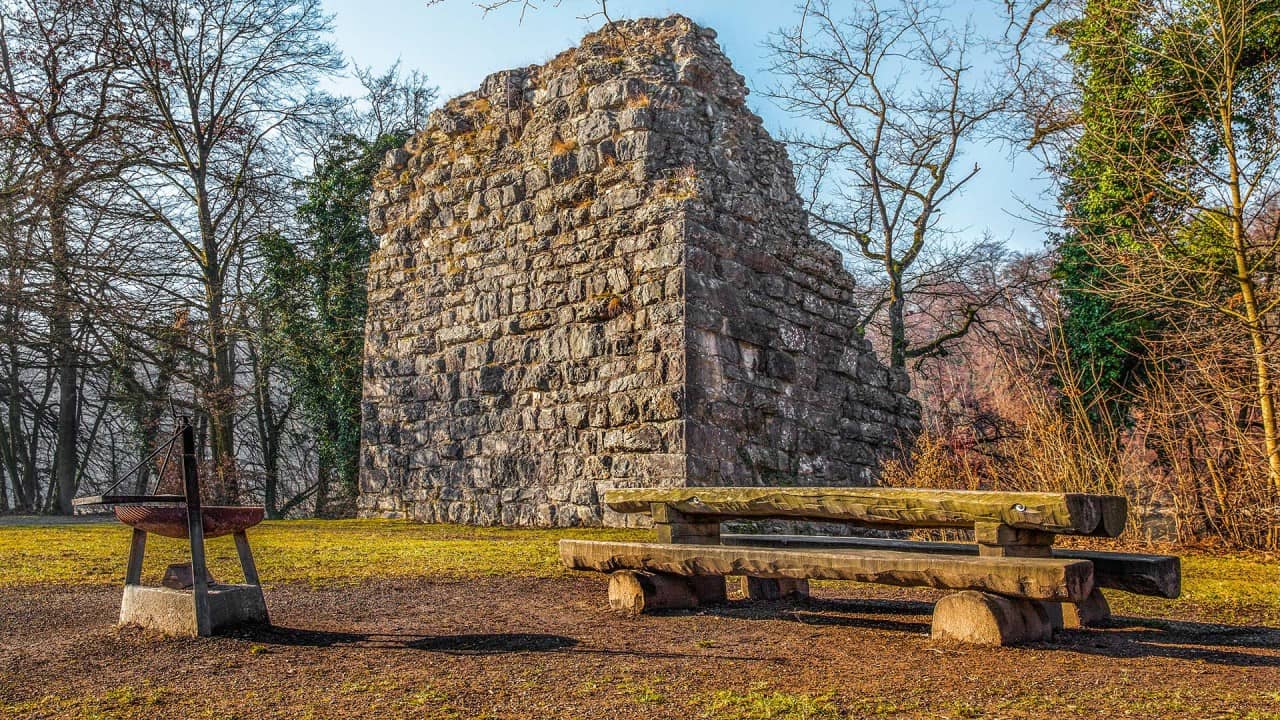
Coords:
763,704
381,697
305,551
1216,588
127,701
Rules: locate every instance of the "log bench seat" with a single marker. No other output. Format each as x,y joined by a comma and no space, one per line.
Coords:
1026,578
1009,586
1140,574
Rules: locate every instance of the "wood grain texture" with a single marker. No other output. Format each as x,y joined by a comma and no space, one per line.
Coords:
636,592
1032,578
1061,513
1156,575
981,619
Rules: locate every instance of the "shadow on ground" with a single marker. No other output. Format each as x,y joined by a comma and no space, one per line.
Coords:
471,644
1122,637
1130,637
467,644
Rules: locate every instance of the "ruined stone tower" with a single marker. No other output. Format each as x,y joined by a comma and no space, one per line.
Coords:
596,273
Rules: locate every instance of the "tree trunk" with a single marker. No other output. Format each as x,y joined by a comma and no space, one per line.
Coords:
1262,370
221,394
268,433
351,476
65,454
1252,312
324,476
897,323
4,474
11,445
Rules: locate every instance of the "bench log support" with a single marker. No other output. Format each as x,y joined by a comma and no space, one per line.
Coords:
1093,611
771,589
999,540
635,592
984,619
673,526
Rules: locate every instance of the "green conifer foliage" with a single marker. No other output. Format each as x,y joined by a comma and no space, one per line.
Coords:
316,289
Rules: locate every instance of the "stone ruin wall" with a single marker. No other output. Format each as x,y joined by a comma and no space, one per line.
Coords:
596,273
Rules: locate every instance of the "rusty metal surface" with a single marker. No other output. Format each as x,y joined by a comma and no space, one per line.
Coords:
171,521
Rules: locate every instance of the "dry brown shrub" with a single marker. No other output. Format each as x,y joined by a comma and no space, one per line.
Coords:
1006,411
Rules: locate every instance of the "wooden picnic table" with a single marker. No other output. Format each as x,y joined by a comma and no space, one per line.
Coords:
1011,584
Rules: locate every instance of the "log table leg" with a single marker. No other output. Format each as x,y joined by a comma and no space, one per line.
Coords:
757,588
634,591
674,526
1093,612
996,540
984,619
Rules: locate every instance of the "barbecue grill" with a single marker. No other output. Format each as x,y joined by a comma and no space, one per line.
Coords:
189,602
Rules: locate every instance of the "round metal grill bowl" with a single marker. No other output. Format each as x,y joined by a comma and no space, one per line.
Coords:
171,520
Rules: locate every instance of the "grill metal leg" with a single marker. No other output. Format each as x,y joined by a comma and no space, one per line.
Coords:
137,547
246,559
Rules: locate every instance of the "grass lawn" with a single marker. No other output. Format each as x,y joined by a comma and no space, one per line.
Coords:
397,619
293,551
1218,588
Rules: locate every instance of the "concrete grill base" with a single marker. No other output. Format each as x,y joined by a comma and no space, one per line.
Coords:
172,612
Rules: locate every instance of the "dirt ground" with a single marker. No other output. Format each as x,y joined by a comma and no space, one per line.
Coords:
532,648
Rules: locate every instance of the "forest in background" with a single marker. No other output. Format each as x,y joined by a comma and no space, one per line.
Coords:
182,232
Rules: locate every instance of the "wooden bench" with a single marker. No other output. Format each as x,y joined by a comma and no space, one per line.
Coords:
1011,584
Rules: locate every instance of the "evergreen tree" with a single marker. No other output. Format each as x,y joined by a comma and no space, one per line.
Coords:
316,289
1107,205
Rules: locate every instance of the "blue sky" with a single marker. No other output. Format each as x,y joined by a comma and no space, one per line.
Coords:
457,45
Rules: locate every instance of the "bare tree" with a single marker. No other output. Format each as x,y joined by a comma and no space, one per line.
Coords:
893,90
601,7
60,102
25,389
393,102
222,80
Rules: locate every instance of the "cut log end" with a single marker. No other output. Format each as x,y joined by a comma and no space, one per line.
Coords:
983,619
636,592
